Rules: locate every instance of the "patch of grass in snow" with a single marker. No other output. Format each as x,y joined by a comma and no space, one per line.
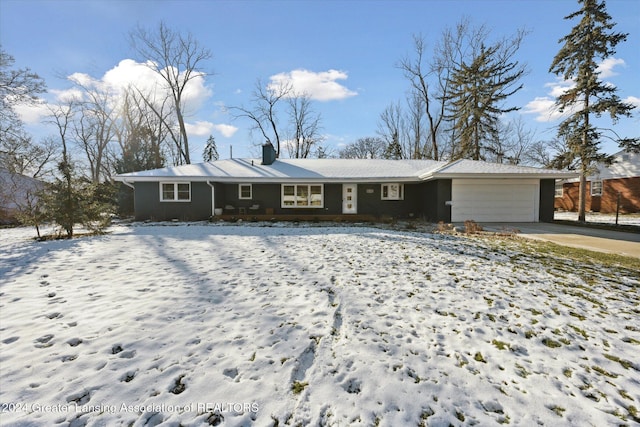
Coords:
479,358
501,345
522,371
577,315
460,415
551,343
557,409
298,386
624,394
604,372
630,340
426,413
626,364
567,372
580,331
529,334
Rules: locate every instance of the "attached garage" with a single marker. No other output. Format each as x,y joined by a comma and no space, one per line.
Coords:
495,200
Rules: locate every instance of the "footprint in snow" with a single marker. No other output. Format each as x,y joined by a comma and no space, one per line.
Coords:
231,372
128,376
44,341
74,342
10,340
352,386
129,354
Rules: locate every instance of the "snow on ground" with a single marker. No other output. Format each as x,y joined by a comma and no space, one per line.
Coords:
199,324
602,218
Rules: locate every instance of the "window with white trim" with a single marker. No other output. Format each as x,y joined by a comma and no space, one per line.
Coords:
596,188
559,192
392,191
175,191
245,192
302,196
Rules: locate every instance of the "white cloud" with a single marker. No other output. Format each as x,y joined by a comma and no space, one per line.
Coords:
31,113
321,86
204,128
199,128
634,100
226,130
606,67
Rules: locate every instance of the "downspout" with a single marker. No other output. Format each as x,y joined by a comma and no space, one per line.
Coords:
213,198
128,184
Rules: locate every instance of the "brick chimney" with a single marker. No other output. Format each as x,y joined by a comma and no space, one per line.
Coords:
268,154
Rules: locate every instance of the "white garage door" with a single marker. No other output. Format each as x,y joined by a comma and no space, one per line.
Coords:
495,200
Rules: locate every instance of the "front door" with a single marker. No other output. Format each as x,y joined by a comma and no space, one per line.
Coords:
349,198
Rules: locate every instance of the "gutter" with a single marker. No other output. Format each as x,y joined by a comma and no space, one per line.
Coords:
213,198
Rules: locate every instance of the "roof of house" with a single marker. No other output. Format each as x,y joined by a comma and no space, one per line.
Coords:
478,169
16,190
625,165
336,170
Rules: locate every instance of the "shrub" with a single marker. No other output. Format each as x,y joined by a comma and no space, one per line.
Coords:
472,227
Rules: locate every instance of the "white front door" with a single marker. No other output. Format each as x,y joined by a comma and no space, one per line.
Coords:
349,198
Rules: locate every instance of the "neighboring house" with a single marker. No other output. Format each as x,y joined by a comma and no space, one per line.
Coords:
345,188
17,193
620,179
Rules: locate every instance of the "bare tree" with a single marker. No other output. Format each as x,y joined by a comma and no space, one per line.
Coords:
141,134
264,111
430,81
391,125
18,152
94,127
177,59
512,144
305,124
364,148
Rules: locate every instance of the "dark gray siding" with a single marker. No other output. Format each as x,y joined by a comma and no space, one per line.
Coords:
547,199
421,200
149,207
435,194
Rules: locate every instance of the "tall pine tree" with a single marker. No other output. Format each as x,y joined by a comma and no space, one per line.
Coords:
479,89
590,41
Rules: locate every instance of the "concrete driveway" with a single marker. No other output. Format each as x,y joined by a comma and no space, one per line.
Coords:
618,242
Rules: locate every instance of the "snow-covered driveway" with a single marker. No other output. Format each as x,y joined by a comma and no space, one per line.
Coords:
267,325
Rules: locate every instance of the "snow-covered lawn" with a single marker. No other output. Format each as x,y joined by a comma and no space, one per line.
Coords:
199,324
601,218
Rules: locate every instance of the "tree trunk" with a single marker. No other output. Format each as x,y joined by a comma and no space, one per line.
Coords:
582,193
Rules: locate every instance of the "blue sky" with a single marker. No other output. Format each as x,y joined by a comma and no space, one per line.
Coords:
344,52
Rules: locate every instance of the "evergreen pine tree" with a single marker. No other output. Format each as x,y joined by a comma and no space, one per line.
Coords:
479,89
210,150
590,40
393,150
